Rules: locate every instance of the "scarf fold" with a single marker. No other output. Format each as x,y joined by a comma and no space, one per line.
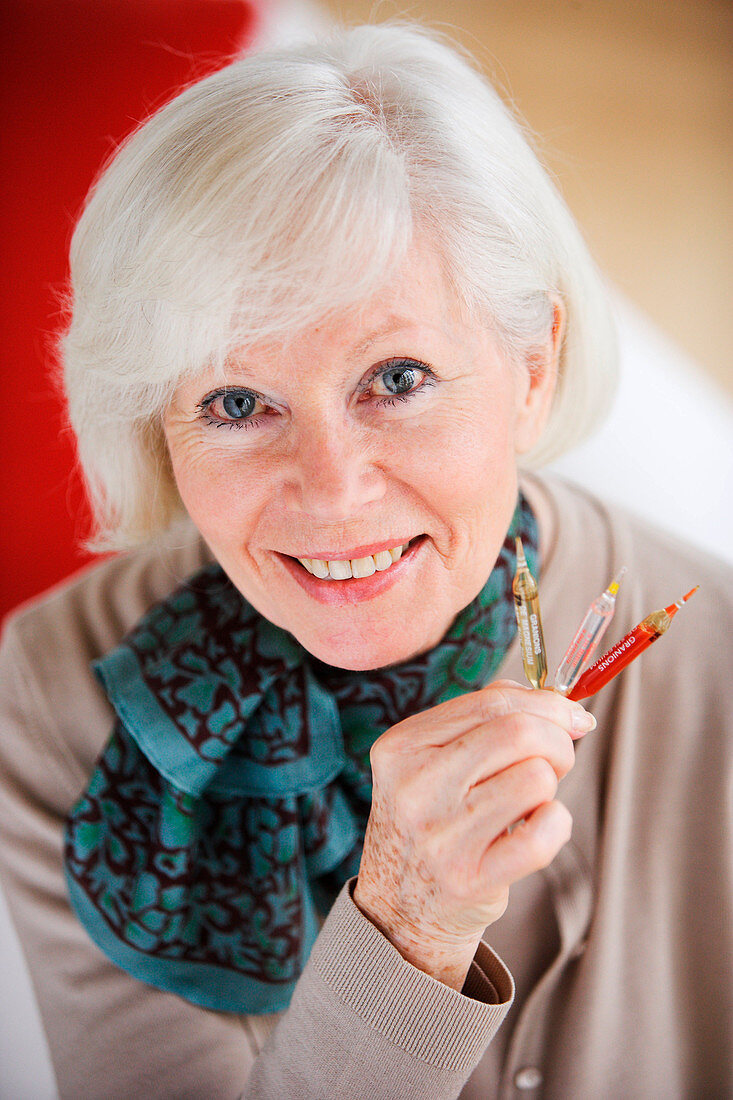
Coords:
229,805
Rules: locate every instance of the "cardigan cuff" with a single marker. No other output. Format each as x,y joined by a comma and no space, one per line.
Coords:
425,1018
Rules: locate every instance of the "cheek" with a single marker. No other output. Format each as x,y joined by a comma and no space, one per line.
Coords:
221,492
471,485
471,454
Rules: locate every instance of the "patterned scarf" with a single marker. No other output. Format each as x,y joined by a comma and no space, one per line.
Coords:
229,806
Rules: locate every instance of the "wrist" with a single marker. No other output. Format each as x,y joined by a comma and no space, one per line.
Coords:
445,957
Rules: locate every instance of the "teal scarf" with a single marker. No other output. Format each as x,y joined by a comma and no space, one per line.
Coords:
229,806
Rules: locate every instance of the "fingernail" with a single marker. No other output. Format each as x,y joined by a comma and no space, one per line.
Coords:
583,721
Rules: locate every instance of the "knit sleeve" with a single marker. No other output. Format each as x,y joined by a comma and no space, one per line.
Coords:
360,1013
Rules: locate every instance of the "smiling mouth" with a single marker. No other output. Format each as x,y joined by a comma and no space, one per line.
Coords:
342,569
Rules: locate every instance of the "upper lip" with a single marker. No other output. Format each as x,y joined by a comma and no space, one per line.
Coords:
364,551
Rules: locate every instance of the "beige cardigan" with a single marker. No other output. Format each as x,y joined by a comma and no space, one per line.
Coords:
622,950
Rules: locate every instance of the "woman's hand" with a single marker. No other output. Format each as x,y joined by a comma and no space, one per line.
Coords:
449,783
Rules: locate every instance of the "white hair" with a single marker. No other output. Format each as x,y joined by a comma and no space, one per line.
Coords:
284,188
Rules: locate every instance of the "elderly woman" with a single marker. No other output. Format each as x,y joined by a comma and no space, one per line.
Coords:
269,779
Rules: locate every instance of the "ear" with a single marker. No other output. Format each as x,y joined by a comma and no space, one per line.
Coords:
536,386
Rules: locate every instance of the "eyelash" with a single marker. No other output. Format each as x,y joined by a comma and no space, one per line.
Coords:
248,423
382,401
429,378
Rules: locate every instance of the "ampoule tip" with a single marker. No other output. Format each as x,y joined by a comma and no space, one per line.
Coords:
674,607
615,583
521,560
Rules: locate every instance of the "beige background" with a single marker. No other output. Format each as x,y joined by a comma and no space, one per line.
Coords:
632,103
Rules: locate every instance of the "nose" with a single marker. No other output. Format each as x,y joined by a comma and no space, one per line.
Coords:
332,474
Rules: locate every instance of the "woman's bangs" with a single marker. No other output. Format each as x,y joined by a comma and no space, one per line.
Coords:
350,230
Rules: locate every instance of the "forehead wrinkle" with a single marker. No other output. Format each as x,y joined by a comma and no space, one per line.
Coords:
391,327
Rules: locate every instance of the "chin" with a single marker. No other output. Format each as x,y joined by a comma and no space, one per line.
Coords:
353,654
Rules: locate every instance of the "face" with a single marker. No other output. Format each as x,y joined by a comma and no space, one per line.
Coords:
356,483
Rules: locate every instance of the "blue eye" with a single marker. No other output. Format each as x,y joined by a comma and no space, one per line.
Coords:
233,408
399,380
238,405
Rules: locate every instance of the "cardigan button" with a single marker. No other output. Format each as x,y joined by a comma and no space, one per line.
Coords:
528,1078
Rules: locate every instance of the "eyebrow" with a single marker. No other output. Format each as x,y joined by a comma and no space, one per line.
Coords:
392,325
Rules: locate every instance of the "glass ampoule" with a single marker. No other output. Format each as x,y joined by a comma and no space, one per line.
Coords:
589,634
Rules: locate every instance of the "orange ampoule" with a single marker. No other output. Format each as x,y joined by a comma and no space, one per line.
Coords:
627,650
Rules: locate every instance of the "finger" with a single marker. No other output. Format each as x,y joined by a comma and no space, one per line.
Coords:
447,721
509,740
493,806
529,847
504,696
484,751
461,838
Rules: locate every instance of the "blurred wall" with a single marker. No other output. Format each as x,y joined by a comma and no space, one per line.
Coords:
632,103
76,77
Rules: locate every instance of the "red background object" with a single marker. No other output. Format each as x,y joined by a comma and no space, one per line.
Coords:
76,76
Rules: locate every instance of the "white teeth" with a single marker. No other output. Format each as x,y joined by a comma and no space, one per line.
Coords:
363,567
340,570
344,568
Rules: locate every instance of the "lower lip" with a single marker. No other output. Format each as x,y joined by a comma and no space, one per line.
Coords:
353,590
